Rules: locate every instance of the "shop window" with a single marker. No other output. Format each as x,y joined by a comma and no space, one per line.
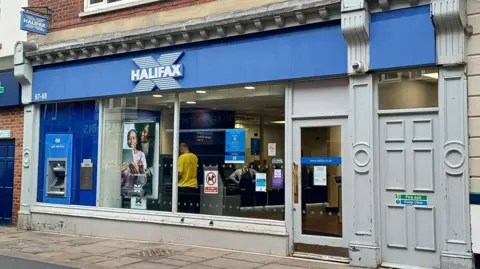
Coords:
137,148
238,137
231,144
408,89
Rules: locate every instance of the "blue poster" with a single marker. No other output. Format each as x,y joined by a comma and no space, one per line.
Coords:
235,146
255,146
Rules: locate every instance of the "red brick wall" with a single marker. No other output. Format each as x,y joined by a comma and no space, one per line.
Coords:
65,12
12,119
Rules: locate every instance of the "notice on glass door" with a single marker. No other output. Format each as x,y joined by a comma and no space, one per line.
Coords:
320,175
261,182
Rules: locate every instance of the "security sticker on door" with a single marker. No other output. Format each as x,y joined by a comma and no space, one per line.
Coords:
411,199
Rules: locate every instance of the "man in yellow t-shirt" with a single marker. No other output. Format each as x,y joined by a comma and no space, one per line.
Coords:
188,195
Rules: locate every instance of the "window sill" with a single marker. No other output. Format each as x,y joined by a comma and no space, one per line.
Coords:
91,11
258,226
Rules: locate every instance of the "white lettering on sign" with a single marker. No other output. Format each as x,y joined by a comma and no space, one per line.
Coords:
161,72
41,96
169,71
34,23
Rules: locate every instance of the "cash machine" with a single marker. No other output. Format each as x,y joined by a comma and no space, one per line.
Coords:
58,168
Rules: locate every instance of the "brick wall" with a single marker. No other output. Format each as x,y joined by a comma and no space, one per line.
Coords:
12,119
68,25
65,12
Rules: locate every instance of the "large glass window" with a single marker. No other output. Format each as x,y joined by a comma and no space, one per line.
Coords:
237,135
231,144
408,89
137,147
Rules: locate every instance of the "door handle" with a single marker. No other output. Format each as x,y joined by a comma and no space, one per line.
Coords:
295,183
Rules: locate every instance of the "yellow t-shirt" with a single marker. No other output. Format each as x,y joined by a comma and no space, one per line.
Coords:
187,165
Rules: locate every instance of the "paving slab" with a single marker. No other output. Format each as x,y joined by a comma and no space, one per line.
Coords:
85,240
93,259
148,265
231,264
122,252
256,258
196,266
206,253
280,266
50,254
191,259
118,262
94,249
300,263
70,256
121,244
172,262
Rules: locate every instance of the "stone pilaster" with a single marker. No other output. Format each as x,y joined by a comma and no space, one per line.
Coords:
24,72
450,19
364,247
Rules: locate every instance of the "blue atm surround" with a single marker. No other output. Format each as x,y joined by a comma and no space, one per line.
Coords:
58,146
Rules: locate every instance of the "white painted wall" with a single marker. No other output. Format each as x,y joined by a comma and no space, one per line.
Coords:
10,31
475,221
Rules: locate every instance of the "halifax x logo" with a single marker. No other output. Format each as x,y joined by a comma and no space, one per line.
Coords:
162,82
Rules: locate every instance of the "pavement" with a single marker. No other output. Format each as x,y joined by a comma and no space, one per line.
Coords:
26,250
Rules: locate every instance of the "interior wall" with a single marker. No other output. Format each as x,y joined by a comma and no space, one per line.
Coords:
166,138
272,134
407,94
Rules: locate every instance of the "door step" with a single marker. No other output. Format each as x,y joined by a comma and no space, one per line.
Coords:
320,257
400,266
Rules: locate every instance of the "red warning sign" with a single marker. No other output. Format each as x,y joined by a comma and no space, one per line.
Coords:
210,182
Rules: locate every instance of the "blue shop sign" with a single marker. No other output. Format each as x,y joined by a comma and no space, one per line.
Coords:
235,146
273,56
34,23
10,92
321,160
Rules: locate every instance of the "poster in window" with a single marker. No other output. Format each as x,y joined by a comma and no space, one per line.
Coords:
139,175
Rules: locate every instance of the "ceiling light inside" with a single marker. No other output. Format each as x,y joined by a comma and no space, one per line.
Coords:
191,102
431,75
157,95
201,91
249,88
279,122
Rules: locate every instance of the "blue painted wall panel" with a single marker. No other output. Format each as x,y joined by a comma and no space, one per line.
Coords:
400,38
317,50
12,93
80,119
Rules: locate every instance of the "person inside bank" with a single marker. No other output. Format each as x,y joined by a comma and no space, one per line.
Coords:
188,194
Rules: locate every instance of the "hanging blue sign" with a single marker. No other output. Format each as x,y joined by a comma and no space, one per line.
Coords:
235,146
255,146
322,160
34,23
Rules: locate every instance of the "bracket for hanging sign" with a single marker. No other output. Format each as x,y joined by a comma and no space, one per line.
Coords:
35,19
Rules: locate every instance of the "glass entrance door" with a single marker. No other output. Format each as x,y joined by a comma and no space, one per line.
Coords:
321,200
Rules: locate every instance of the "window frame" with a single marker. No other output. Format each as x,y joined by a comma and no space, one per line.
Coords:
104,6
